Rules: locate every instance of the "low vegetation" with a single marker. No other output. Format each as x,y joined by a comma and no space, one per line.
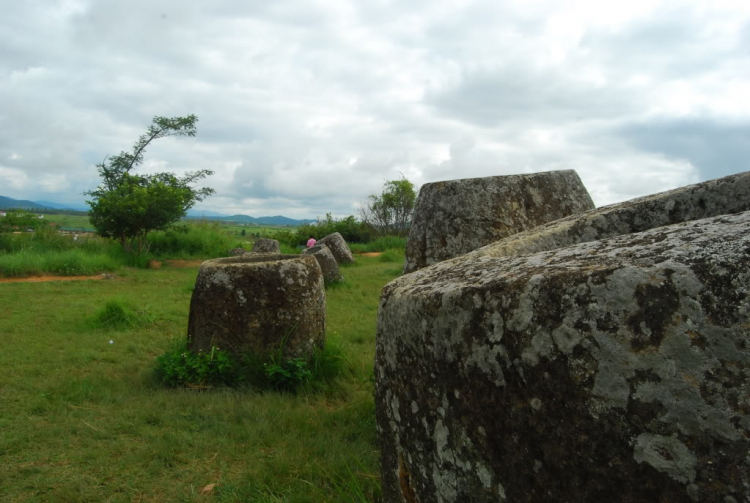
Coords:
86,415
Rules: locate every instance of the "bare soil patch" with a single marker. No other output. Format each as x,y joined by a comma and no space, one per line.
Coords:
40,279
370,254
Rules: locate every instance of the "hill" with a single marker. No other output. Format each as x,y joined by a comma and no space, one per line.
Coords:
9,202
245,219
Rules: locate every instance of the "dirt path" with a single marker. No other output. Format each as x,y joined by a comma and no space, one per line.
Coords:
39,279
370,254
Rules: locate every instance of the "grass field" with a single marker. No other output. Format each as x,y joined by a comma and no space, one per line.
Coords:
83,419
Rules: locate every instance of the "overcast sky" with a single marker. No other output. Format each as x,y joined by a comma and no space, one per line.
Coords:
307,107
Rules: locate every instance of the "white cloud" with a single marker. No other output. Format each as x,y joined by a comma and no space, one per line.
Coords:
308,107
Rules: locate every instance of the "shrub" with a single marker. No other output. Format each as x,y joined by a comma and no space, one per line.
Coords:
181,367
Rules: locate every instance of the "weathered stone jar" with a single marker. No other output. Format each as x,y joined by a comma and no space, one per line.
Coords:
614,370
457,216
259,303
327,262
340,250
266,245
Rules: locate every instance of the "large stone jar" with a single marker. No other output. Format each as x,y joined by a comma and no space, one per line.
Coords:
259,303
457,216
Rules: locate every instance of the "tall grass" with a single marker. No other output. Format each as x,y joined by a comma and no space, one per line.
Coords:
380,244
201,239
47,251
74,262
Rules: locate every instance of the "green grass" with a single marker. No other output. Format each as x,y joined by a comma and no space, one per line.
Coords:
380,244
85,420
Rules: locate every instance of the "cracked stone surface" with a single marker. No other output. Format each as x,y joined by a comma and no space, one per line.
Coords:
254,302
610,370
454,217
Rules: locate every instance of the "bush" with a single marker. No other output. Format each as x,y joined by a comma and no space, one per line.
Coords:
352,230
184,368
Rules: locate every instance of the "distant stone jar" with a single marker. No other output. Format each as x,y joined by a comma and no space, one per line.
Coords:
336,243
265,245
236,252
258,304
327,262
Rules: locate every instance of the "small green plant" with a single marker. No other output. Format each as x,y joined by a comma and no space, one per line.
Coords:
183,368
288,374
119,315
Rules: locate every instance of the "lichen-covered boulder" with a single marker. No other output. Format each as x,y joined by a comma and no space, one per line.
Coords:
258,303
266,245
614,370
454,217
327,262
236,252
336,243
722,196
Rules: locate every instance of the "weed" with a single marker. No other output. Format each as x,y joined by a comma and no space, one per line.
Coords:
181,367
119,315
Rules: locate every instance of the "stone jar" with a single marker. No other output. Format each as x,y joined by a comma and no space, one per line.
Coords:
259,303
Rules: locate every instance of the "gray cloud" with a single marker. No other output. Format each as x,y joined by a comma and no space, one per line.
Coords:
308,108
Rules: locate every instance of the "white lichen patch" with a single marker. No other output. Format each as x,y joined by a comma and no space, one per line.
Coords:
666,454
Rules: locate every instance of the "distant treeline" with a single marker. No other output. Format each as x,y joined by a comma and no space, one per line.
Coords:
50,211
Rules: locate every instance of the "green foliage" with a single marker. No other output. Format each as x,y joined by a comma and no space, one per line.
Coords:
195,239
128,206
74,262
390,212
393,255
352,230
119,315
19,220
183,368
380,244
287,374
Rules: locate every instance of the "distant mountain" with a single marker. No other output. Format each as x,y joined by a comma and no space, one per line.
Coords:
193,213
9,202
62,206
244,219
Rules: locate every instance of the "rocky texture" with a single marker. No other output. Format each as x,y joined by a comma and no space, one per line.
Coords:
326,261
455,217
722,196
265,245
336,243
614,370
257,302
236,252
